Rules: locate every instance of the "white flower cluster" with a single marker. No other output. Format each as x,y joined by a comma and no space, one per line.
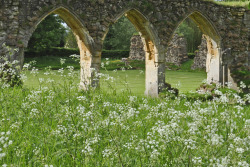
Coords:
4,143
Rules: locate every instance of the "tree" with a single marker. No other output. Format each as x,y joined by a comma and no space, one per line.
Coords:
192,34
49,33
70,40
119,35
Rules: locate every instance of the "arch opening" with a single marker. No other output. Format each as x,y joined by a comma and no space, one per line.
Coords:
151,47
213,61
84,42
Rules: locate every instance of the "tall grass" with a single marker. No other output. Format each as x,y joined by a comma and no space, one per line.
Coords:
56,124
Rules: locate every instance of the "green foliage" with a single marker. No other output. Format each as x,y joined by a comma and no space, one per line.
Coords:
119,35
244,74
56,124
192,34
70,40
9,74
191,55
172,66
186,66
122,65
53,62
66,52
9,70
49,33
197,96
53,51
237,3
115,54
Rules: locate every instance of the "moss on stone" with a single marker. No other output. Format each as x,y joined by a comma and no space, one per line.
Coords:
233,3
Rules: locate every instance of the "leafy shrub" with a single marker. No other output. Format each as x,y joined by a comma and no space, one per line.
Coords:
191,55
54,51
9,73
9,70
120,65
169,92
115,54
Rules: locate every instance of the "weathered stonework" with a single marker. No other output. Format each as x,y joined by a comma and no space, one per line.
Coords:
177,50
136,48
201,55
156,20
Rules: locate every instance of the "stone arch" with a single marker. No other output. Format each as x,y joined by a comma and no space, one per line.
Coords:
84,41
18,16
214,64
154,57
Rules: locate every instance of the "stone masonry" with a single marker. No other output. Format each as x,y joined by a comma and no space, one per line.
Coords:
177,50
136,48
156,20
201,55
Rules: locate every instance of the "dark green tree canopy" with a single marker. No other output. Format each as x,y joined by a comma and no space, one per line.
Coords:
119,35
52,33
49,33
70,40
192,34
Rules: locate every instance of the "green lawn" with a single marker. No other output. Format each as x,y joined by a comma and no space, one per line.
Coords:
133,80
119,80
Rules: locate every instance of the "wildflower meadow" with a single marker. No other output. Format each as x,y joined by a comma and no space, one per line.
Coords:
56,124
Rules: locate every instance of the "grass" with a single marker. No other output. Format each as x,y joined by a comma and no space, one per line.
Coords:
133,80
52,61
55,64
50,122
126,77
56,124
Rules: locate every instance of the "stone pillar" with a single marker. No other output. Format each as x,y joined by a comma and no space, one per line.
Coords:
85,72
90,67
155,71
90,61
213,63
155,78
95,69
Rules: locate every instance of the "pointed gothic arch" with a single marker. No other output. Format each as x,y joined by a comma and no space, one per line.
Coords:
84,41
154,57
215,67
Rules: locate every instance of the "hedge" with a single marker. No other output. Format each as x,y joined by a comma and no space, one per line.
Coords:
115,54
66,52
60,52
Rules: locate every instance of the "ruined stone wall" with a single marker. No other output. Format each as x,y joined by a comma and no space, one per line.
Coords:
177,50
200,55
9,27
155,19
137,51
